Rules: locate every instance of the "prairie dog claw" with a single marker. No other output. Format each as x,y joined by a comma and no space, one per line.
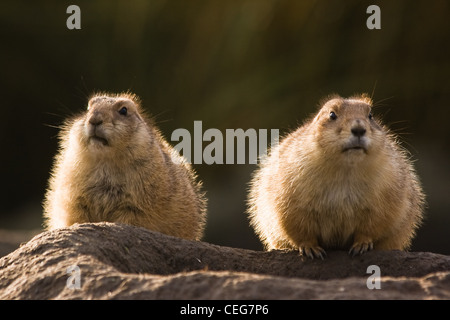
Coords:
312,252
359,248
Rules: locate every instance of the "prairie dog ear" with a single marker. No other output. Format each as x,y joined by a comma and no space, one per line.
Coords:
365,98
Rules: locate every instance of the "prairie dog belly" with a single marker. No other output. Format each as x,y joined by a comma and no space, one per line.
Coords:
340,181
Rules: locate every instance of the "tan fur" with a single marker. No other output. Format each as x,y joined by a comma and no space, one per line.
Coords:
311,195
132,176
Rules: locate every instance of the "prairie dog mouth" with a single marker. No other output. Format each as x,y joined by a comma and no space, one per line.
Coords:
98,139
355,144
354,148
96,134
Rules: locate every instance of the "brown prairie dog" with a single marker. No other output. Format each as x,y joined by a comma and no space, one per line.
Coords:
114,165
340,181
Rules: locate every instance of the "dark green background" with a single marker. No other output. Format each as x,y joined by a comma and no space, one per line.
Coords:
231,64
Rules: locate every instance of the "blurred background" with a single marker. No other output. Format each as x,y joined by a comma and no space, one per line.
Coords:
262,64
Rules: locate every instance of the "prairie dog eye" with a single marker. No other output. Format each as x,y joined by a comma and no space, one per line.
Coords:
333,115
123,111
370,115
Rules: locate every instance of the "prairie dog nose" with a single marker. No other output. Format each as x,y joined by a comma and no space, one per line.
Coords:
96,119
358,129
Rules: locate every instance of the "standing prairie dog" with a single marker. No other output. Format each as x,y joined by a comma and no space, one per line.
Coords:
114,165
340,181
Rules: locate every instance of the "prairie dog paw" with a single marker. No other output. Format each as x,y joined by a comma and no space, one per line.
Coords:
360,247
312,251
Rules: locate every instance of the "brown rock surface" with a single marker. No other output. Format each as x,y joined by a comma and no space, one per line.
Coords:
117,261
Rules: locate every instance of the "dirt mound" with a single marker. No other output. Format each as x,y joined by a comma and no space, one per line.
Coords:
115,261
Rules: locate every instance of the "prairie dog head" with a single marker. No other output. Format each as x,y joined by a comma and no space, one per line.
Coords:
111,123
347,127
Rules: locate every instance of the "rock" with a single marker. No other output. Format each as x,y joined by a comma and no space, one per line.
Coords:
116,261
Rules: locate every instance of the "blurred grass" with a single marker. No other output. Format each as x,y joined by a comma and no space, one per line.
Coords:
232,64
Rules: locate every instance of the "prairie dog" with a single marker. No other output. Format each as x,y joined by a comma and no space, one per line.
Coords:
340,181
114,165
